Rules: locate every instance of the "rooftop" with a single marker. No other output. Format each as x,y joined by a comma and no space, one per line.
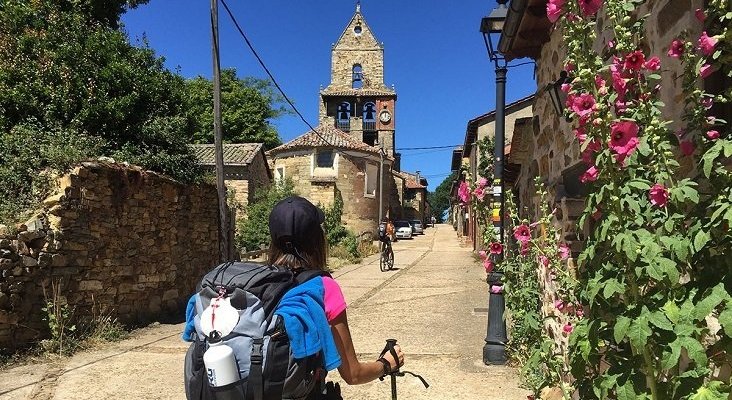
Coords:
240,154
326,136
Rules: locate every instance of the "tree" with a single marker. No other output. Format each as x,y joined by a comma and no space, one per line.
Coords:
65,71
440,198
247,107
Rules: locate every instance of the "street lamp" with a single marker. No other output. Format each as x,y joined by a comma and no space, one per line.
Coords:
494,351
558,96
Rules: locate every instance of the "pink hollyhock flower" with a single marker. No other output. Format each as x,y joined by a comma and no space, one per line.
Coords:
488,265
623,138
680,133
464,192
619,83
479,193
522,233
713,134
711,120
554,10
583,104
566,87
564,251
707,44
706,70
569,67
590,175
589,7
699,14
599,82
568,328
580,312
524,249
687,147
707,102
559,305
580,134
653,63
482,182
544,261
658,195
611,44
496,289
634,61
496,248
676,49
482,254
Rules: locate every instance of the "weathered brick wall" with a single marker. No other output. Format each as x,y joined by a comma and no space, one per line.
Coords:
115,238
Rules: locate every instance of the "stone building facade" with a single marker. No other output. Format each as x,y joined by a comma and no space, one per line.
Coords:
115,240
245,169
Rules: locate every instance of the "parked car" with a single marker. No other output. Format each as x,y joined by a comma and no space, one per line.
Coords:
403,229
417,227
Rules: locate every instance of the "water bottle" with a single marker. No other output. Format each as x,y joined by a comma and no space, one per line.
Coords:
220,363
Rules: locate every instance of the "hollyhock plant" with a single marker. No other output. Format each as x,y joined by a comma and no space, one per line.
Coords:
676,49
544,261
559,305
482,254
589,7
583,104
707,102
524,248
568,328
482,182
590,175
707,44
564,251
496,289
687,147
464,192
653,64
619,83
496,248
658,195
699,14
713,134
623,138
522,233
554,10
488,265
479,193
706,70
634,61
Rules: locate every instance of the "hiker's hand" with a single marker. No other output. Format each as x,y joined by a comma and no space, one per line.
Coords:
390,358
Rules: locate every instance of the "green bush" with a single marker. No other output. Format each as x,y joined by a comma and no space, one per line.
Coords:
253,231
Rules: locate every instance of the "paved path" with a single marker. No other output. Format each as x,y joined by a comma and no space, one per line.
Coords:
433,302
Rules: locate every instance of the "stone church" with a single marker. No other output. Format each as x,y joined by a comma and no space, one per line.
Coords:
355,132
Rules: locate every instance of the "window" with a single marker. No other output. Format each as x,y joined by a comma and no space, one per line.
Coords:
369,116
343,116
324,159
372,172
357,82
279,174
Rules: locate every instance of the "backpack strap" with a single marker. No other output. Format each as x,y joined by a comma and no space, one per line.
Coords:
304,275
255,383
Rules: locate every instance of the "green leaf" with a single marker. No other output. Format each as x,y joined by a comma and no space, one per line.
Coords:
694,349
612,286
714,390
671,358
638,333
626,391
725,319
671,310
711,301
700,240
654,76
660,320
621,328
639,184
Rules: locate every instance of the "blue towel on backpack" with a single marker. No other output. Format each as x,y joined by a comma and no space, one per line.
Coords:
303,313
190,327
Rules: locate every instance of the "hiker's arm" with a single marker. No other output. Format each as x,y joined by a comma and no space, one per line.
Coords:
352,371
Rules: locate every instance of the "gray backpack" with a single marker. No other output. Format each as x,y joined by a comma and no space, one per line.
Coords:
259,340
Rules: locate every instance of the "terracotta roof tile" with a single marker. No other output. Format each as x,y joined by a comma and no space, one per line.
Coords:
234,153
358,92
326,136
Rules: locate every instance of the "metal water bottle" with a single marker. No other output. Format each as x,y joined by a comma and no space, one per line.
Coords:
220,363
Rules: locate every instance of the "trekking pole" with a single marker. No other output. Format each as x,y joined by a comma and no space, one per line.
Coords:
390,343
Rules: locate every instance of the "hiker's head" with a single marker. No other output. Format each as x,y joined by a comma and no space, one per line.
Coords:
298,241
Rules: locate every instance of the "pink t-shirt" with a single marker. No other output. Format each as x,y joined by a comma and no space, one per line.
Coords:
333,298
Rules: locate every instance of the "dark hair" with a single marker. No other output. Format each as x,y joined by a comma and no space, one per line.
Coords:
311,252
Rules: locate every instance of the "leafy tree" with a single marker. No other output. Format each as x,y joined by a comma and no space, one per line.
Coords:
253,231
247,106
440,198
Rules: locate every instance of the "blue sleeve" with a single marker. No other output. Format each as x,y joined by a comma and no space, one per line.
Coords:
190,315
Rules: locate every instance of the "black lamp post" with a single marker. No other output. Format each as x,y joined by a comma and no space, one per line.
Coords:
494,351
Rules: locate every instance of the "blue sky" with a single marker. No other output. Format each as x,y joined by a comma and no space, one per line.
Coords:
434,57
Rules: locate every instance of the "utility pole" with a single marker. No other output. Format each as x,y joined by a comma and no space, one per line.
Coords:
218,140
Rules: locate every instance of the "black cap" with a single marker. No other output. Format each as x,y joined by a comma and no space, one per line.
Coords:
292,219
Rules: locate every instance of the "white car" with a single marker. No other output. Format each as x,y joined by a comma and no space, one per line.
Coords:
403,229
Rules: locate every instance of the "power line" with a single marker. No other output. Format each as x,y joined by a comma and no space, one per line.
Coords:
429,148
274,81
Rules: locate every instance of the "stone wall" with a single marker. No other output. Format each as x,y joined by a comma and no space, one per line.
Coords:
114,239
245,181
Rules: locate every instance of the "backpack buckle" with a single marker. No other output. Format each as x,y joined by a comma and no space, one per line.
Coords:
257,356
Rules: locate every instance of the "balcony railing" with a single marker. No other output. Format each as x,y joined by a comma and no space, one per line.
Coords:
369,126
345,125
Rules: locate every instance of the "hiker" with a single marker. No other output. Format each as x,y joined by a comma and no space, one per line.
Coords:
433,220
299,243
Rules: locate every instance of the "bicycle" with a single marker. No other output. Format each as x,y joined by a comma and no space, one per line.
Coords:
390,343
386,259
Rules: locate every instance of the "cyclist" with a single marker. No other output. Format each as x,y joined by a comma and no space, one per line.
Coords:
384,234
